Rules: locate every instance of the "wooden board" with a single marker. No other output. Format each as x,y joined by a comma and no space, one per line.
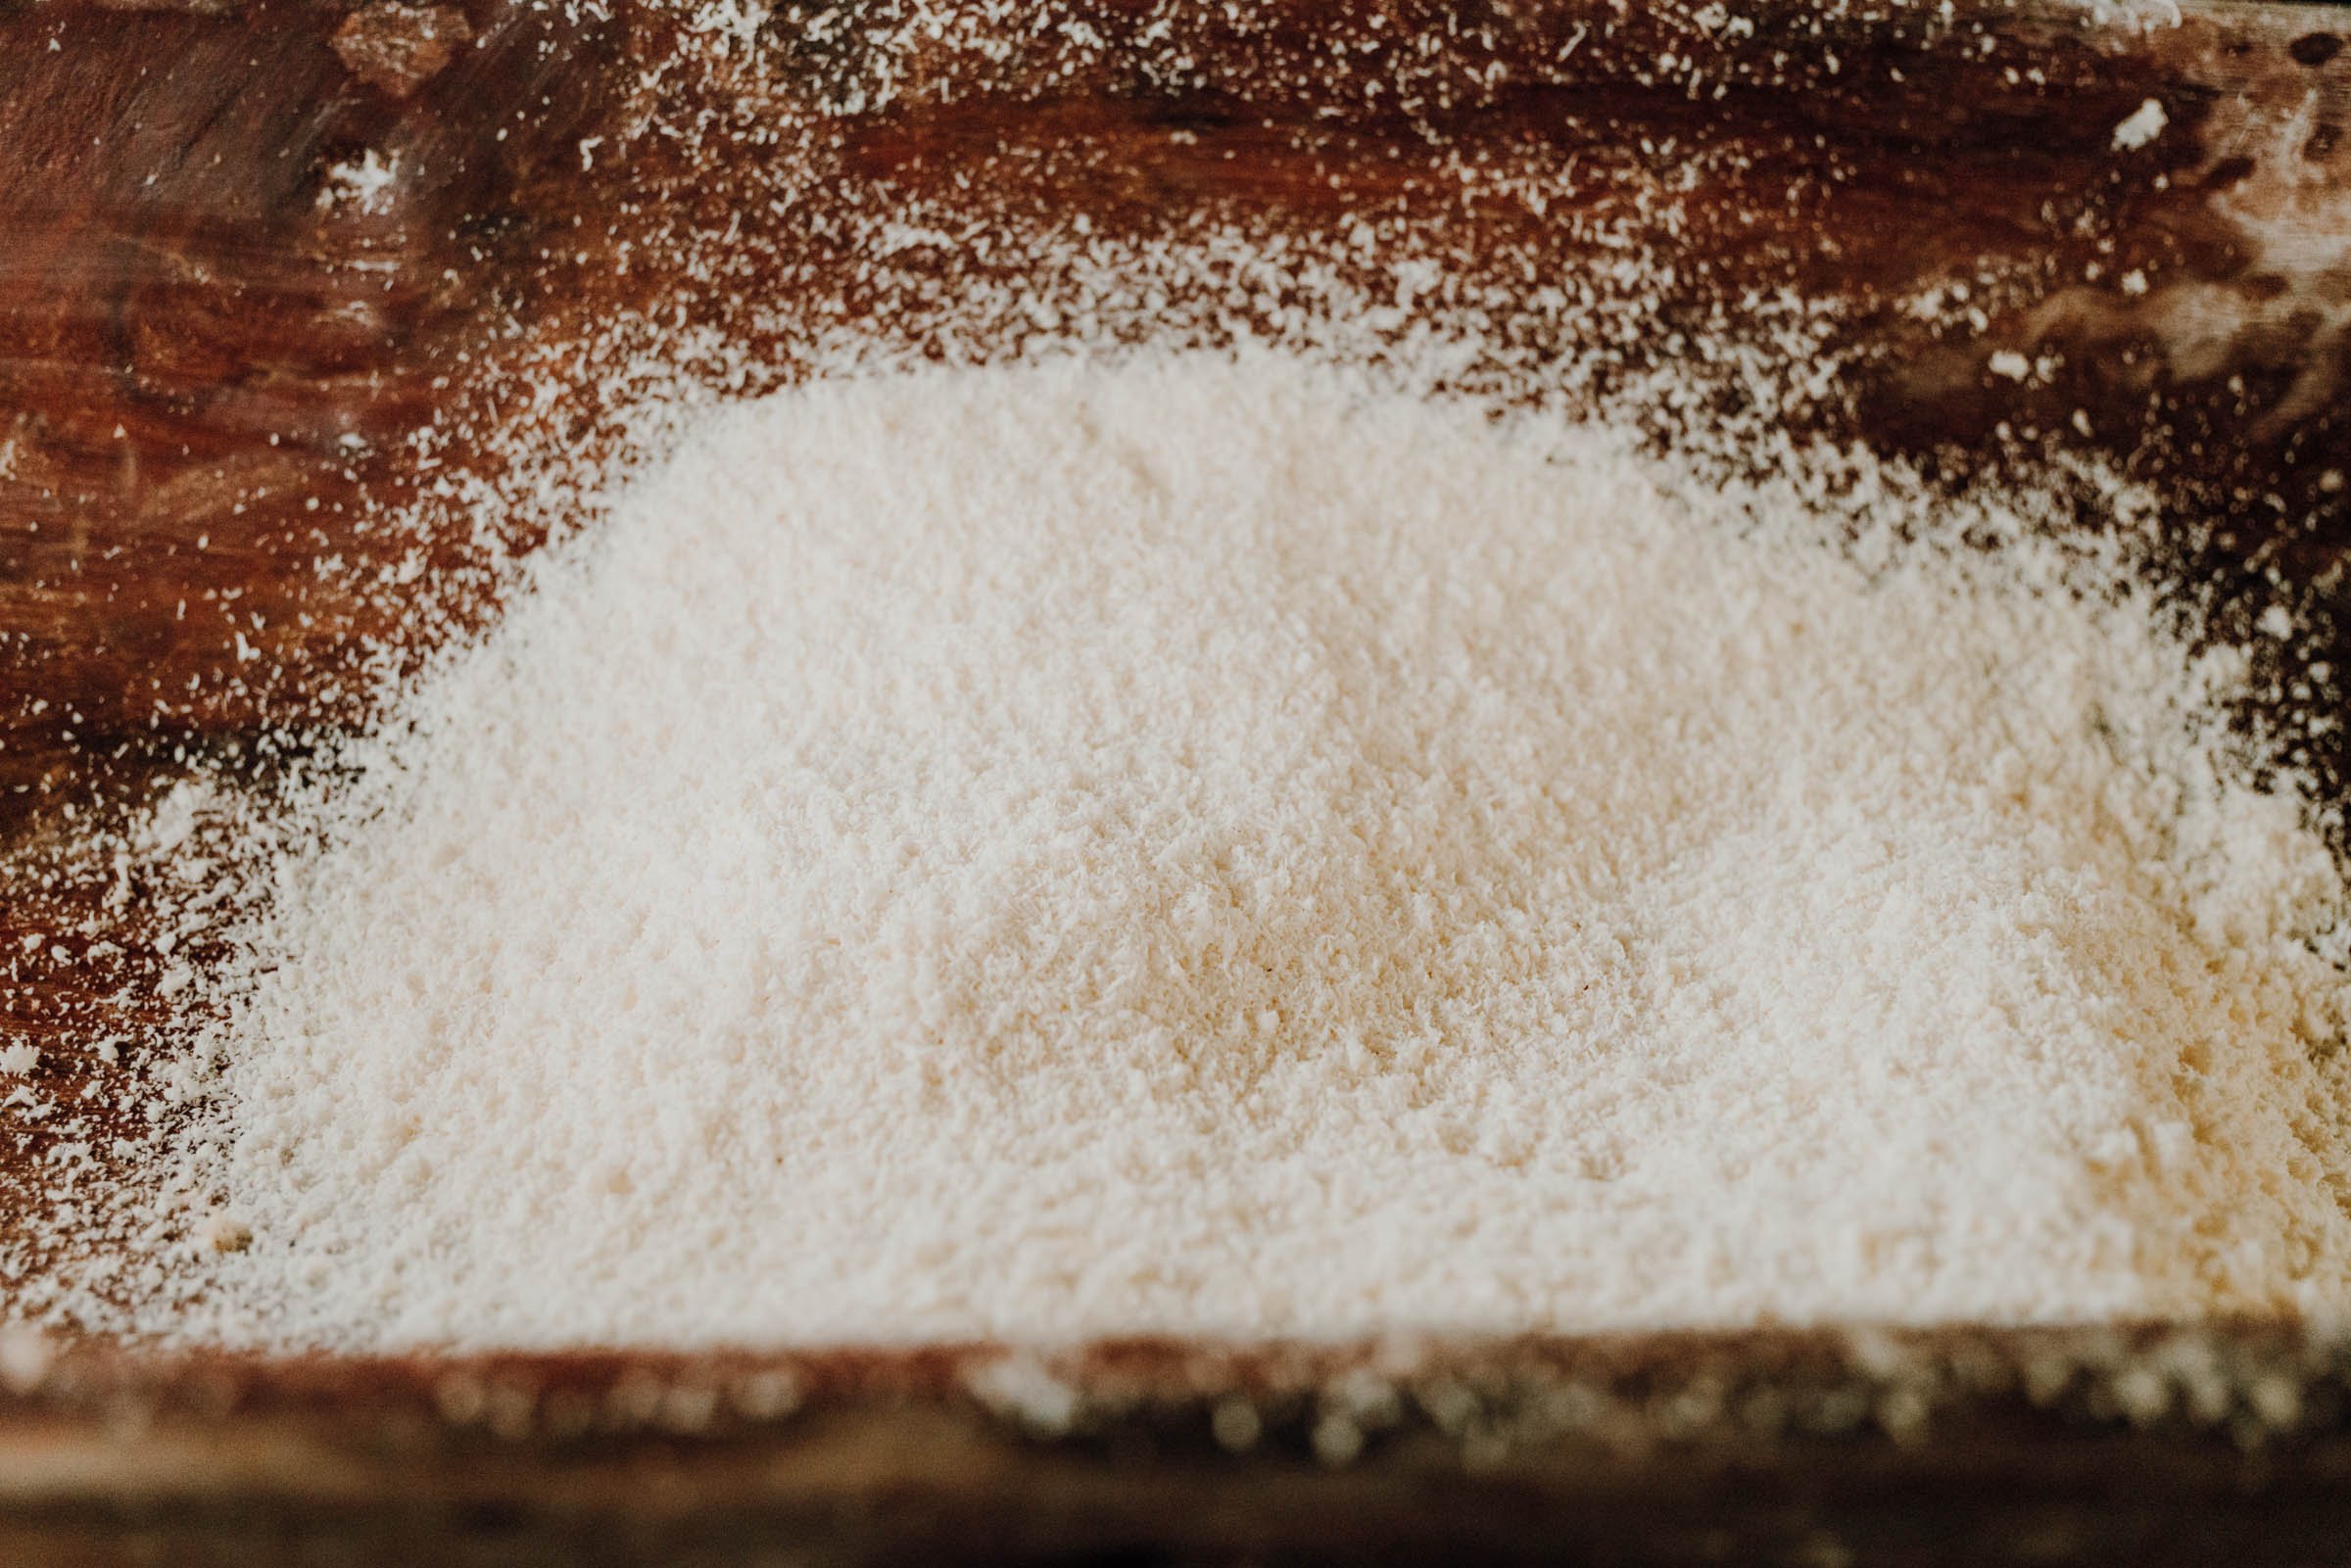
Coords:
284,293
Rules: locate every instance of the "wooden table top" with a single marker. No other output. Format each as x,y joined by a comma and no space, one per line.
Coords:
301,303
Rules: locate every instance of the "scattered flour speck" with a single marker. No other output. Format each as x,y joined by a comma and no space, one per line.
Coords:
2143,125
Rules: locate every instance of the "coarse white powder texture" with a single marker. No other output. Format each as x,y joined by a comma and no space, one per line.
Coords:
1203,843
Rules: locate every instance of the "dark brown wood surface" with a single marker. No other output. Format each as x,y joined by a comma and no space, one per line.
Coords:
232,396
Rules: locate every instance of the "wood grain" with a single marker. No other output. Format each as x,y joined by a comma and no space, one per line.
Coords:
232,391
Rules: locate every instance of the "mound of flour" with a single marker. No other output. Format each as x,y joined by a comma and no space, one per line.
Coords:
1211,845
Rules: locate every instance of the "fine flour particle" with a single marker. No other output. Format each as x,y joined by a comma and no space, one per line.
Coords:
1210,844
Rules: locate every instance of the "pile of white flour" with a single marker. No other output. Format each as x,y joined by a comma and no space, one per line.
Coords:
1207,844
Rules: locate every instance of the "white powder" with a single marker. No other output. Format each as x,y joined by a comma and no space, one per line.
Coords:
2144,125
1211,845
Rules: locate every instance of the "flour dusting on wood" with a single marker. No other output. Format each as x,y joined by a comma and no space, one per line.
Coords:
1224,845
